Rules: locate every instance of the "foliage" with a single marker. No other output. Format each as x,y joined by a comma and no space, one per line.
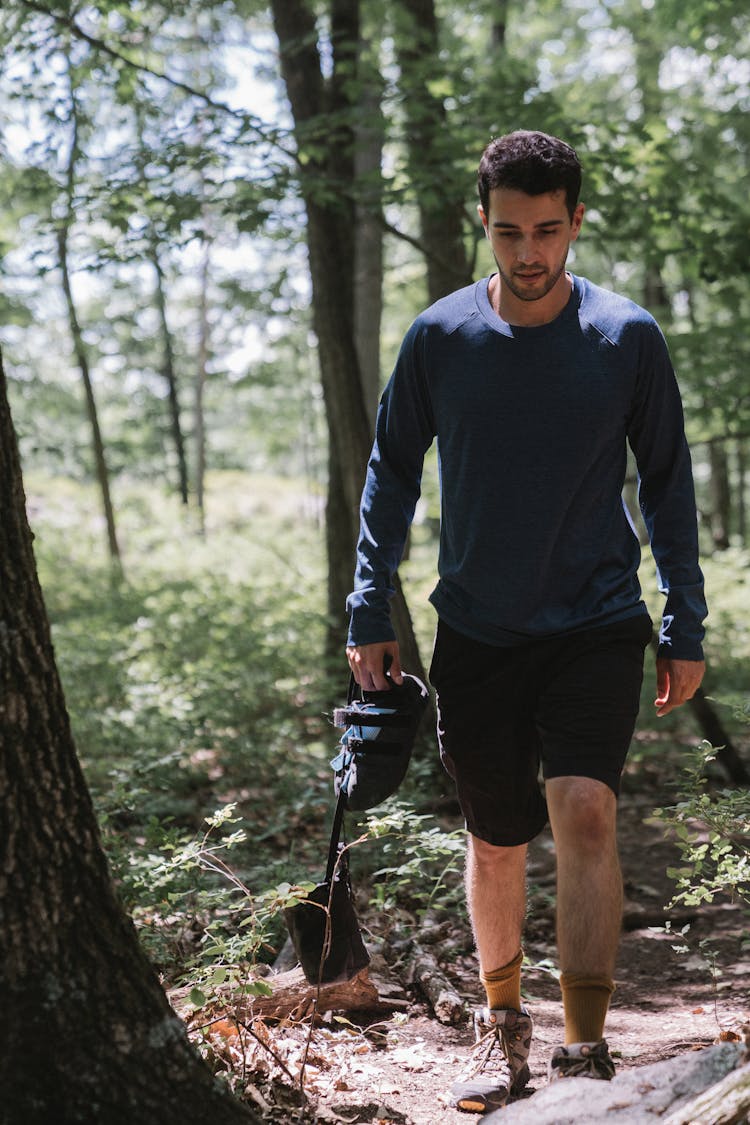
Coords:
711,831
424,862
196,690
197,697
196,917
197,685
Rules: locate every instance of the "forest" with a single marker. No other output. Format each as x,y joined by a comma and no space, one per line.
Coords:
218,221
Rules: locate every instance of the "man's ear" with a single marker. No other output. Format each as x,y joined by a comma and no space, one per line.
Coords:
576,222
483,217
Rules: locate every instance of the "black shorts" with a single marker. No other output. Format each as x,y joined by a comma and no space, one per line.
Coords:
569,702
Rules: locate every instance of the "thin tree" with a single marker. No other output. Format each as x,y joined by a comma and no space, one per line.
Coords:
430,151
201,371
79,347
168,366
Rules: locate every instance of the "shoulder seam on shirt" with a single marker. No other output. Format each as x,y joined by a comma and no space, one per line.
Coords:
467,316
604,334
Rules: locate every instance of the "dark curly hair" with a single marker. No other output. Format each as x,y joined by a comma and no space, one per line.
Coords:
531,162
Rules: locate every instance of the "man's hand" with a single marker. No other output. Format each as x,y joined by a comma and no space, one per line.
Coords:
368,667
676,682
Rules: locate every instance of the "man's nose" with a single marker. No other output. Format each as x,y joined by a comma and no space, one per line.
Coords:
526,250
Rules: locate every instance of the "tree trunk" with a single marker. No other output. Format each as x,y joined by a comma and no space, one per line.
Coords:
326,171
200,385
100,460
499,25
741,489
79,347
713,731
368,247
440,190
168,371
86,1032
720,496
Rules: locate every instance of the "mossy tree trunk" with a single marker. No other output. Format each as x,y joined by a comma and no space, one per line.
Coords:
87,1034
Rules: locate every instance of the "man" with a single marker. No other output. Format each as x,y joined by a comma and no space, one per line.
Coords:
534,381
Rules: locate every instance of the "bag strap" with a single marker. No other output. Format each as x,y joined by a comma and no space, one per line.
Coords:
338,815
333,847
351,715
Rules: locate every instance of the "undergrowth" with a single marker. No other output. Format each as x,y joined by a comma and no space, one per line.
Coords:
712,829
200,705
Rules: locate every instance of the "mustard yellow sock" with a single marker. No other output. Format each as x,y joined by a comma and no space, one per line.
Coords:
585,1003
503,985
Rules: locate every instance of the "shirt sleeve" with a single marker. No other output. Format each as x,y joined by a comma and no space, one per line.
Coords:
404,432
667,498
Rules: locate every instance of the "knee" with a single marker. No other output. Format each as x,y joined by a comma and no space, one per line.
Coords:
492,857
583,811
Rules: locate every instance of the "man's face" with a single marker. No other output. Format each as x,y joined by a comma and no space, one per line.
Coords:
530,236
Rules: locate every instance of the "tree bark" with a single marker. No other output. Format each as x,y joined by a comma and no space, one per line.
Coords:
741,461
79,347
168,371
200,386
324,111
424,971
368,247
294,997
100,460
721,500
440,192
86,1032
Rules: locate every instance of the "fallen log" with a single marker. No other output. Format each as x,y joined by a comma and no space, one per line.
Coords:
293,997
424,972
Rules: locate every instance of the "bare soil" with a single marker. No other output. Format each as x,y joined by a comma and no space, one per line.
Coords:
396,1069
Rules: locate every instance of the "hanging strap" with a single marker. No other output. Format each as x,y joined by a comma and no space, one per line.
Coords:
333,848
338,815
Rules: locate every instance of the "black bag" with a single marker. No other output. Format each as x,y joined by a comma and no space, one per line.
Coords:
377,745
324,927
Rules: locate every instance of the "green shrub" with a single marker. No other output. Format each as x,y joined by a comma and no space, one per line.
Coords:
424,863
711,830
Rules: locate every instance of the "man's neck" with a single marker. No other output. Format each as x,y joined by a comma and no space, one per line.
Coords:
529,314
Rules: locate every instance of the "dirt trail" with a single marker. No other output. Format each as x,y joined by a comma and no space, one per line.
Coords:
667,1002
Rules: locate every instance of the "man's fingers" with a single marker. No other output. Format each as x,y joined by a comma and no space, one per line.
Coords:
368,662
676,682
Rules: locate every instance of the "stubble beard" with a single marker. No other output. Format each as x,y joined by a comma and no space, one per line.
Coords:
546,284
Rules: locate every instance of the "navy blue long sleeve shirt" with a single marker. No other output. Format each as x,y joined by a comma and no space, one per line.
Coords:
531,427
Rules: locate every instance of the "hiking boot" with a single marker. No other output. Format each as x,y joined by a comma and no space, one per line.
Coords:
582,1060
497,1069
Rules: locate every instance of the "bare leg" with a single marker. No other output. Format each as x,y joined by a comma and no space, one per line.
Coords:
496,895
583,815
